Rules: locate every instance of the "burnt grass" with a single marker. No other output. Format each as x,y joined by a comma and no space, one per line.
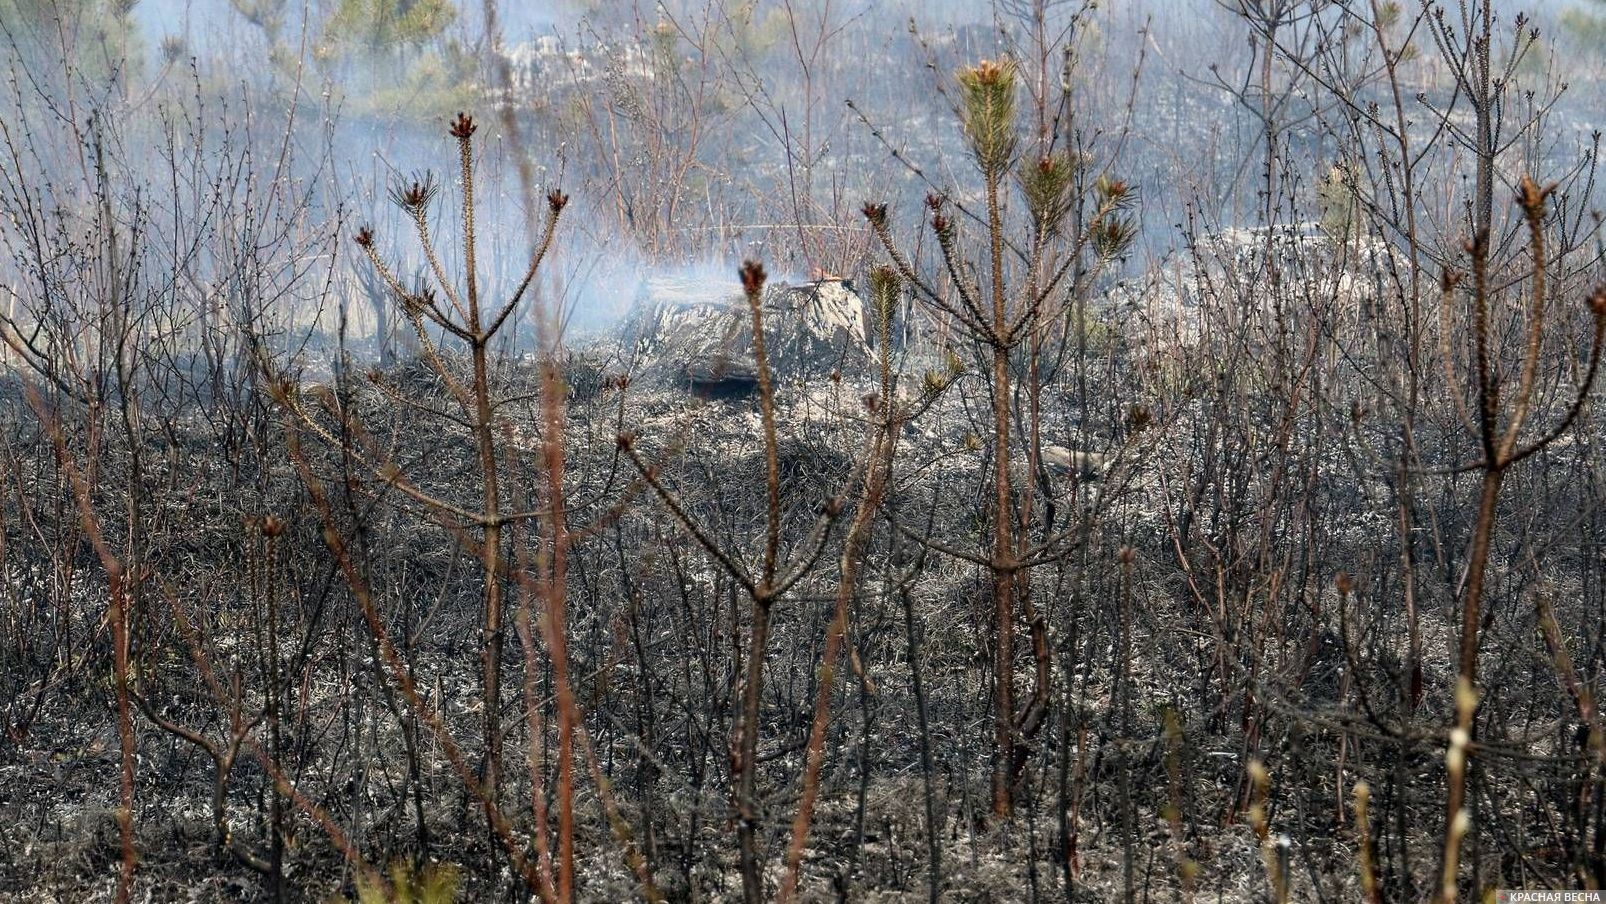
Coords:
1157,702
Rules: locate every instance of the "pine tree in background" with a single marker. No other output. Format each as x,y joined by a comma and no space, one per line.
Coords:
394,56
1587,23
388,57
379,28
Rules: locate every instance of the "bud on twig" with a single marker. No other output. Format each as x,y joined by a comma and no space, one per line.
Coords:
1531,196
753,277
1448,279
414,196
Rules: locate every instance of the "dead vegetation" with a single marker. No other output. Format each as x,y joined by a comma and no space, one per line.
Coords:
1273,575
